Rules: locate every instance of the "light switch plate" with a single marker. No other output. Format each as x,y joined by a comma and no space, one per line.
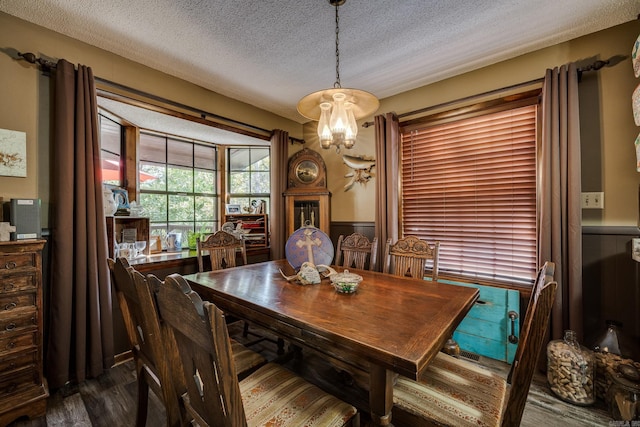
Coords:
593,200
635,249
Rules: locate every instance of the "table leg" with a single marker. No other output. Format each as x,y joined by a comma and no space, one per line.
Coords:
381,395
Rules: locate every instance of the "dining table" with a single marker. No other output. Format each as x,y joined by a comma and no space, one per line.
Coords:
395,325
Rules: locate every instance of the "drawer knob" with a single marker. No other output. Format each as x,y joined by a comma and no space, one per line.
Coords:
10,265
9,287
10,306
11,388
10,326
12,344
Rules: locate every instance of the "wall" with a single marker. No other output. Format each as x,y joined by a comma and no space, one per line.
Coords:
24,105
608,130
611,282
610,277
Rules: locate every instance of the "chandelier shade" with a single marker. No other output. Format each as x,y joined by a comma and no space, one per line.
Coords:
363,103
337,109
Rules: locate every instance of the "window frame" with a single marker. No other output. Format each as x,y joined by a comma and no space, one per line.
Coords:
116,156
464,112
169,224
129,163
244,199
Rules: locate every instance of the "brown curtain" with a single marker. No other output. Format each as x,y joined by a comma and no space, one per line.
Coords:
387,139
80,329
279,160
560,238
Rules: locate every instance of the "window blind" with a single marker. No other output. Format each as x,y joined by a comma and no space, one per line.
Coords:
471,184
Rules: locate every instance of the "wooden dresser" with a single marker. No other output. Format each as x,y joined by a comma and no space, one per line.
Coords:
23,388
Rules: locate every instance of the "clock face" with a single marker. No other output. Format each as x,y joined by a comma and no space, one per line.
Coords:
307,171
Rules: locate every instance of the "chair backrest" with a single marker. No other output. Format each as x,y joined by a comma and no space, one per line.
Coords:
206,362
532,336
155,336
122,285
352,251
222,248
545,275
409,256
144,334
132,311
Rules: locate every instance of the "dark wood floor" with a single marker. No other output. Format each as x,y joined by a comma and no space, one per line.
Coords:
110,400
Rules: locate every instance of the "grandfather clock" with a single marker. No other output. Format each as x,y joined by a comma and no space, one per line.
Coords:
307,197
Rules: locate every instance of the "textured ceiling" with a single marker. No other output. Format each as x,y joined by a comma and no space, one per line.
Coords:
272,53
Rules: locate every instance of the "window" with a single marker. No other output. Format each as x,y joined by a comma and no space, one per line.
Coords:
178,184
470,182
174,171
110,145
249,176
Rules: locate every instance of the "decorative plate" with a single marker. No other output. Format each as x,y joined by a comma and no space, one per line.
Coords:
306,240
635,101
635,57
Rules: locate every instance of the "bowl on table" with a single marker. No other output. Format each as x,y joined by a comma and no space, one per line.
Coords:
345,282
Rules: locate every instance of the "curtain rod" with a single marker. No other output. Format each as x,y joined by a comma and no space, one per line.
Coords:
595,66
47,65
457,101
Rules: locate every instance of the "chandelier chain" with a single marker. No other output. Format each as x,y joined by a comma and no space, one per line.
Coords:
337,109
337,83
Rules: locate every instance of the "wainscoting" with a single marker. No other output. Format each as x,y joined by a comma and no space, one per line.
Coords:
611,279
365,228
611,282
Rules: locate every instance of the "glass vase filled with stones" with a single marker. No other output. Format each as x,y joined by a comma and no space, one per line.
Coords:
570,370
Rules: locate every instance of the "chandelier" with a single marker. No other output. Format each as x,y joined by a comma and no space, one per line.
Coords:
337,109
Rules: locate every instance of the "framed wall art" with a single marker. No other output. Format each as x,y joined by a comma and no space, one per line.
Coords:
13,153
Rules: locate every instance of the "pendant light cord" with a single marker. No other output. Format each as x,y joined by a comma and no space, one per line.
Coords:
337,83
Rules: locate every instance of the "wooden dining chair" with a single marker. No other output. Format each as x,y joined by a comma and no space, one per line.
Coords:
352,251
409,256
137,301
222,248
456,392
214,396
144,339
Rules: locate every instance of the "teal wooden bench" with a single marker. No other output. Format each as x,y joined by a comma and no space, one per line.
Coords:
486,329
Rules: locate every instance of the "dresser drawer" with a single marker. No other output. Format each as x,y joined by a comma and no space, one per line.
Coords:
17,261
18,322
17,342
23,389
11,302
17,283
13,381
18,361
